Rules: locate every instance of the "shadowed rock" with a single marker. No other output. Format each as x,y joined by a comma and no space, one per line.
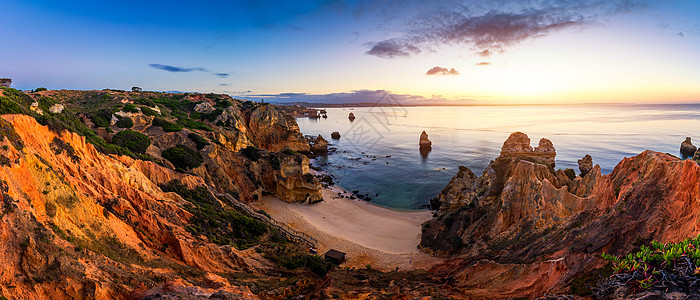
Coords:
320,145
585,164
687,148
335,135
351,116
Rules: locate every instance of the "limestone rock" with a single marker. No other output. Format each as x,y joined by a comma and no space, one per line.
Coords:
335,135
687,148
274,131
424,142
56,108
320,145
35,108
204,107
351,116
518,146
585,164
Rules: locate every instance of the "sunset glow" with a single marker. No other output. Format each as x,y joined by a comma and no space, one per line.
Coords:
553,52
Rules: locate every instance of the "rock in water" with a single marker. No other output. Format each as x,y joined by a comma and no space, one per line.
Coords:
351,116
518,145
424,142
320,145
335,135
687,148
585,164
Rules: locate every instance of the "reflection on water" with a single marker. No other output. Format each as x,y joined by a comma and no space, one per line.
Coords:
377,153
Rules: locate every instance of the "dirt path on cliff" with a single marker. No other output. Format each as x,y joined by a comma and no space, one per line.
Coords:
369,234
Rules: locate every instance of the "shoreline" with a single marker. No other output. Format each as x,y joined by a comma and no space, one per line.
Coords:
370,235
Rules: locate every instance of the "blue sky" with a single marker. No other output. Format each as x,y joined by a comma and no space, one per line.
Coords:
501,51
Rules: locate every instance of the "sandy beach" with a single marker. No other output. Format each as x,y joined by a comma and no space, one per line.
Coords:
369,234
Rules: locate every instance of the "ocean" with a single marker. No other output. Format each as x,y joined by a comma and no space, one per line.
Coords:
378,152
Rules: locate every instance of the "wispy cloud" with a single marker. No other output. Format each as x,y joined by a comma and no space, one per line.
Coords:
483,63
442,71
175,69
494,27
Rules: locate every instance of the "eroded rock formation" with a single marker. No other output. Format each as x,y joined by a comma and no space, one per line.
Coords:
518,146
319,146
351,116
423,141
585,165
335,135
687,148
519,230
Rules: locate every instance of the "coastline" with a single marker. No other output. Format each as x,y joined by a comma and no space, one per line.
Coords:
370,235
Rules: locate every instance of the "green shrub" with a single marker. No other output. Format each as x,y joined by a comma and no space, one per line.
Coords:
167,126
252,153
218,223
198,139
192,124
183,157
149,112
125,122
130,108
132,140
41,89
102,118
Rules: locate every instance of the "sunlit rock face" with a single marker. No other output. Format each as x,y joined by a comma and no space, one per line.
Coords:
518,145
519,230
79,224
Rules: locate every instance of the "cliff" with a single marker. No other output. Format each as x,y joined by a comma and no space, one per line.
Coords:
112,197
520,230
78,224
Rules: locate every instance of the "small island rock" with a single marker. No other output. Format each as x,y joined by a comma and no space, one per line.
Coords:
424,142
585,164
351,116
320,145
687,148
335,135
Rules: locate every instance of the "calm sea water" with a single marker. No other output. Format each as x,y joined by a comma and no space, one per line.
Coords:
472,136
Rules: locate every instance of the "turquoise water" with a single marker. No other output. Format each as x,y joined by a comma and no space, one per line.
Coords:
472,136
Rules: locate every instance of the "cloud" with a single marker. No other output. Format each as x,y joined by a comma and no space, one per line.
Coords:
359,96
483,63
485,53
175,69
442,71
391,49
181,69
223,84
492,28
680,35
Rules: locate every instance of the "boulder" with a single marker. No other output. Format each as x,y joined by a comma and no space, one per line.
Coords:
687,148
204,107
56,108
351,116
585,164
424,142
319,145
335,135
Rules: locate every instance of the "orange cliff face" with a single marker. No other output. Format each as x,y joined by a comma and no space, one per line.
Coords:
522,229
78,224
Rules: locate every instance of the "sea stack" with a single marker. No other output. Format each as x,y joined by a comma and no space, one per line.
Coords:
585,164
687,148
351,116
335,135
424,142
518,145
320,146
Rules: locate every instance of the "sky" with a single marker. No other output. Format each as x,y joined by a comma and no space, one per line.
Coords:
419,52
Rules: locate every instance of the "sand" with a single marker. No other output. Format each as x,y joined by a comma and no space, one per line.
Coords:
382,238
